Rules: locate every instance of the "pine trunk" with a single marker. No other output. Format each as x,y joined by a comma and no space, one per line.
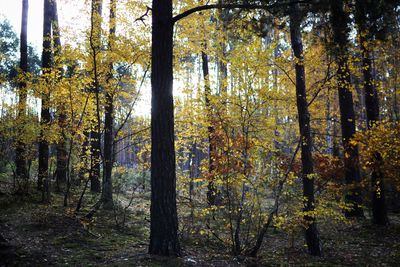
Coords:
222,64
311,232
20,152
379,209
43,171
163,213
211,193
109,122
95,135
62,155
339,21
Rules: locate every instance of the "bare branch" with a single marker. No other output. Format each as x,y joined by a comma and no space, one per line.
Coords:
144,16
133,104
130,135
233,6
253,251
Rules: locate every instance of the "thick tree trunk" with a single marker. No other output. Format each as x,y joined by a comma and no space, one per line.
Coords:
379,210
311,232
109,122
43,171
339,21
95,135
20,152
163,213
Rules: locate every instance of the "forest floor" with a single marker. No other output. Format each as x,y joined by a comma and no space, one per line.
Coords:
51,235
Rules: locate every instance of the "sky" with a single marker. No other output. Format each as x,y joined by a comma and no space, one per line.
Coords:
70,16
12,10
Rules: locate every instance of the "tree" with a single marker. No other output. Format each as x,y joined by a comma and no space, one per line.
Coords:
95,134
107,197
43,170
8,49
222,61
339,22
367,19
20,152
211,193
62,155
163,213
164,223
311,232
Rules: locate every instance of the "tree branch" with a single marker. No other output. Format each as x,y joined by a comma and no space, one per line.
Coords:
233,6
133,104
253,251
143,17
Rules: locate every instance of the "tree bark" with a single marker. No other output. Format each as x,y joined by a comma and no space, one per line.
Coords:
43,171
62,155
379,209
211,190
109,121
163,212
95,157
311,232
95,135
339,22
83,156
222,65
20,152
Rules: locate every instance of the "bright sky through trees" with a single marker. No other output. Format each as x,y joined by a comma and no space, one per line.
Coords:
71,21
11,10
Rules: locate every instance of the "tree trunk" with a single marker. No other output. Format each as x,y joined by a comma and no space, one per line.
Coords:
379,210
192,167
95,135
339,21
311,232
109,122
94,172
163,213
43,171
62,155
222,65
83,157
211,190
20,152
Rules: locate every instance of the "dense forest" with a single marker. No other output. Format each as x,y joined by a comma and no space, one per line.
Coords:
201,133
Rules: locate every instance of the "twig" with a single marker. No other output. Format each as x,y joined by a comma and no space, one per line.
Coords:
253,251
144,16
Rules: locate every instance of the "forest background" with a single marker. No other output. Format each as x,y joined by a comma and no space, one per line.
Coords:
202,125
